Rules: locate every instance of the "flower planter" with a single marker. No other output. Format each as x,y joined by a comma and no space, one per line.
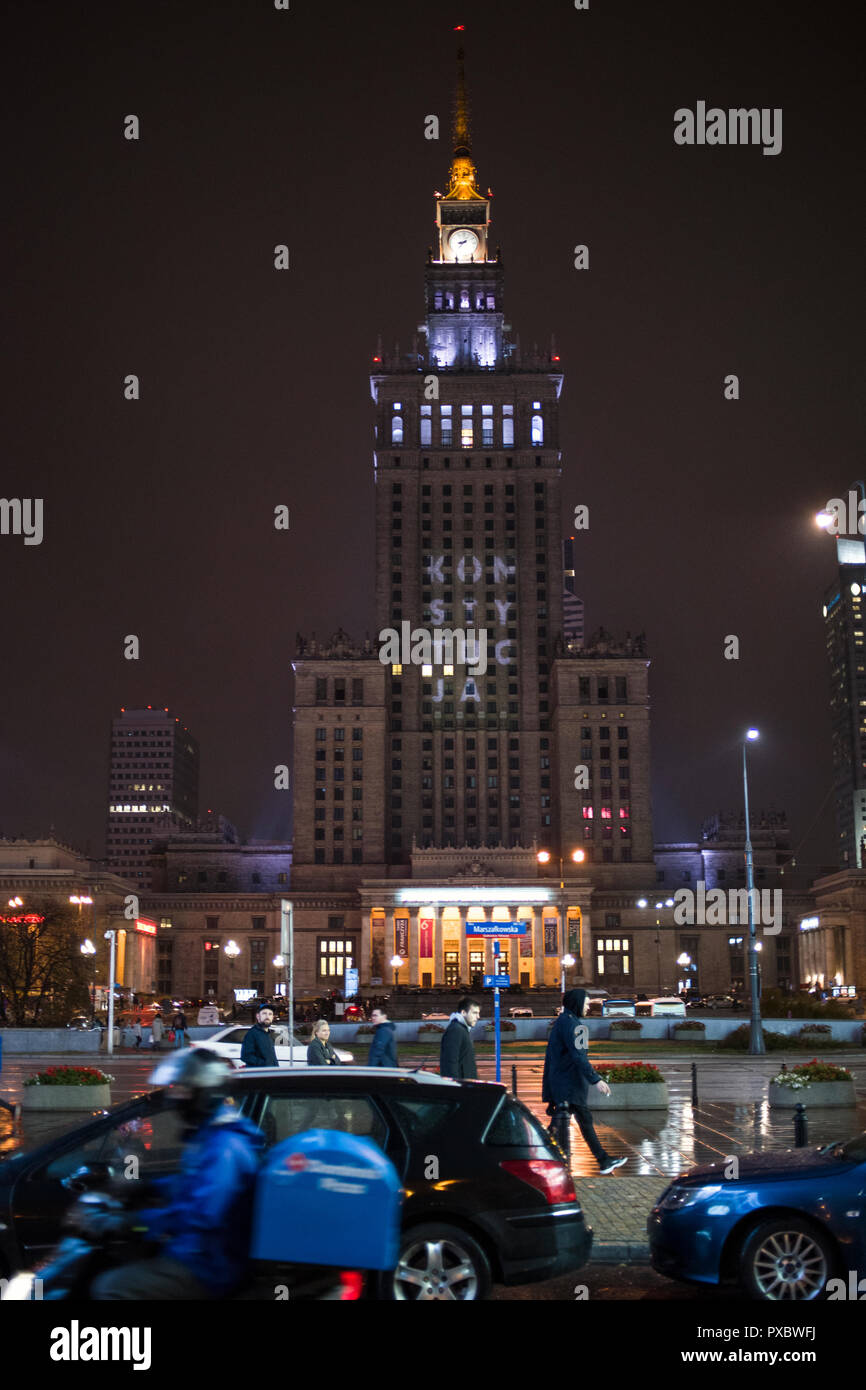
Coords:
66,1097
631,1095
624,1033
690,1034
817,1093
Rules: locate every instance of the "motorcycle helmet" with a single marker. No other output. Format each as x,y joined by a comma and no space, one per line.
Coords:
196,1080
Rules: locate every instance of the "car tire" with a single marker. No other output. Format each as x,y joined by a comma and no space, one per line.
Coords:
786,1260
437,1261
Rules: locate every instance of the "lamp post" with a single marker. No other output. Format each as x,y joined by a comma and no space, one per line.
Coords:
756,1032
232,951
566,963
88,949
110,936
281,962
577,856
396,963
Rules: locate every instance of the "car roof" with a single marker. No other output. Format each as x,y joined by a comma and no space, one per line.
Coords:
366,1074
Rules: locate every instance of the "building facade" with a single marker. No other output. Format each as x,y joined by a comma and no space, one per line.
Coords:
846,657
480,761
152,787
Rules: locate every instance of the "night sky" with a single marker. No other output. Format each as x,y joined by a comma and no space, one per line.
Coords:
260,127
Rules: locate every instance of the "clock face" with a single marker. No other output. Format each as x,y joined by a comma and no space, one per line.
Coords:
462,243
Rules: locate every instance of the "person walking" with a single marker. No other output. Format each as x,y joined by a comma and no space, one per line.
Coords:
456,1054
258,1048
383,1048
136,1032
320,1053
179,1028
568,1075
156,1031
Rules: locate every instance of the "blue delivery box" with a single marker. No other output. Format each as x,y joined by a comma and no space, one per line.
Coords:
328,1198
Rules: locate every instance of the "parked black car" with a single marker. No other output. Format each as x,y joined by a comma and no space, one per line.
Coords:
488,1197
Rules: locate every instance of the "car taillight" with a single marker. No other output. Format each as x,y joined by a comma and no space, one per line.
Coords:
546,1175
351,1285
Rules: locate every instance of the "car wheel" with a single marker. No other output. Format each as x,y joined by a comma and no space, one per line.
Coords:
438,1261
786,1260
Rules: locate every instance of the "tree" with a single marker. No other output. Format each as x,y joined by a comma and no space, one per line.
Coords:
42,970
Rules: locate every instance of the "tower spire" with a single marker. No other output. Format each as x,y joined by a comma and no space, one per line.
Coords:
462,177
461,108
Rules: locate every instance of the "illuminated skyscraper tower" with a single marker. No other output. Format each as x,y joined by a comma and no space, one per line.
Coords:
468,536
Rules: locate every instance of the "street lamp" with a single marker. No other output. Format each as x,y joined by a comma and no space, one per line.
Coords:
567,962
232,950
756,1032
110,936
16,902
396,962
88,949
577,856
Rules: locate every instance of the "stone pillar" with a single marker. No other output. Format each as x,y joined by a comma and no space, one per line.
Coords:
538,945
366,946
414,942
464,949
438,947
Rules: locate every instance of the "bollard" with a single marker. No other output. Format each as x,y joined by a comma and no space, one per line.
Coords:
562,1131
694,1083
514,1078
801,1127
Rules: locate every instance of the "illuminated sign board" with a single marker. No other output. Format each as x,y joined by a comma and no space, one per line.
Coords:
144,924
809,923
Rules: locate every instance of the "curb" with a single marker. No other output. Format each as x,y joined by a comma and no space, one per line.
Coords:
620,1252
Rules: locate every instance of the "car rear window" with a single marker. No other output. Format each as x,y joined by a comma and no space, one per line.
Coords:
513,1126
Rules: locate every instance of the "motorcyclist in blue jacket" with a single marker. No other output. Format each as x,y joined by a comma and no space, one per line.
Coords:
206,1220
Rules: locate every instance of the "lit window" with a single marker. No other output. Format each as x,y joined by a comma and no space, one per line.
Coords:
397,429
537,430
397,669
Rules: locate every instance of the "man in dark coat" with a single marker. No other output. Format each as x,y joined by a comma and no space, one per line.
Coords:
568,1074
257,1048
383,1048
457,1055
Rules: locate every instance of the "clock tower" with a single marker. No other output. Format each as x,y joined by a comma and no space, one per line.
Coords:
464,285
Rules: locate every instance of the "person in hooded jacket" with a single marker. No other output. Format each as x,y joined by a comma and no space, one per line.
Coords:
568,1074
383,1048
456,1053
206,1220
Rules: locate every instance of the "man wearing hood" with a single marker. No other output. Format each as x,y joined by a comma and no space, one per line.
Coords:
383,1048
457,1055
568,1074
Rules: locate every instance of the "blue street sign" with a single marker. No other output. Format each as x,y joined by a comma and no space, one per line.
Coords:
496,928
497,981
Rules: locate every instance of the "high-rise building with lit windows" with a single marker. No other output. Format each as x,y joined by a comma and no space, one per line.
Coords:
152,787
417,771
845,632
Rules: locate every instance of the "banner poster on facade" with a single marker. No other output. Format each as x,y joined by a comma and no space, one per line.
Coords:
401,936
573,935
425,949
526,941
550,933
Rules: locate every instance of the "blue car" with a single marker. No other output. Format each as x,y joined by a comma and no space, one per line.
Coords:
781,1224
